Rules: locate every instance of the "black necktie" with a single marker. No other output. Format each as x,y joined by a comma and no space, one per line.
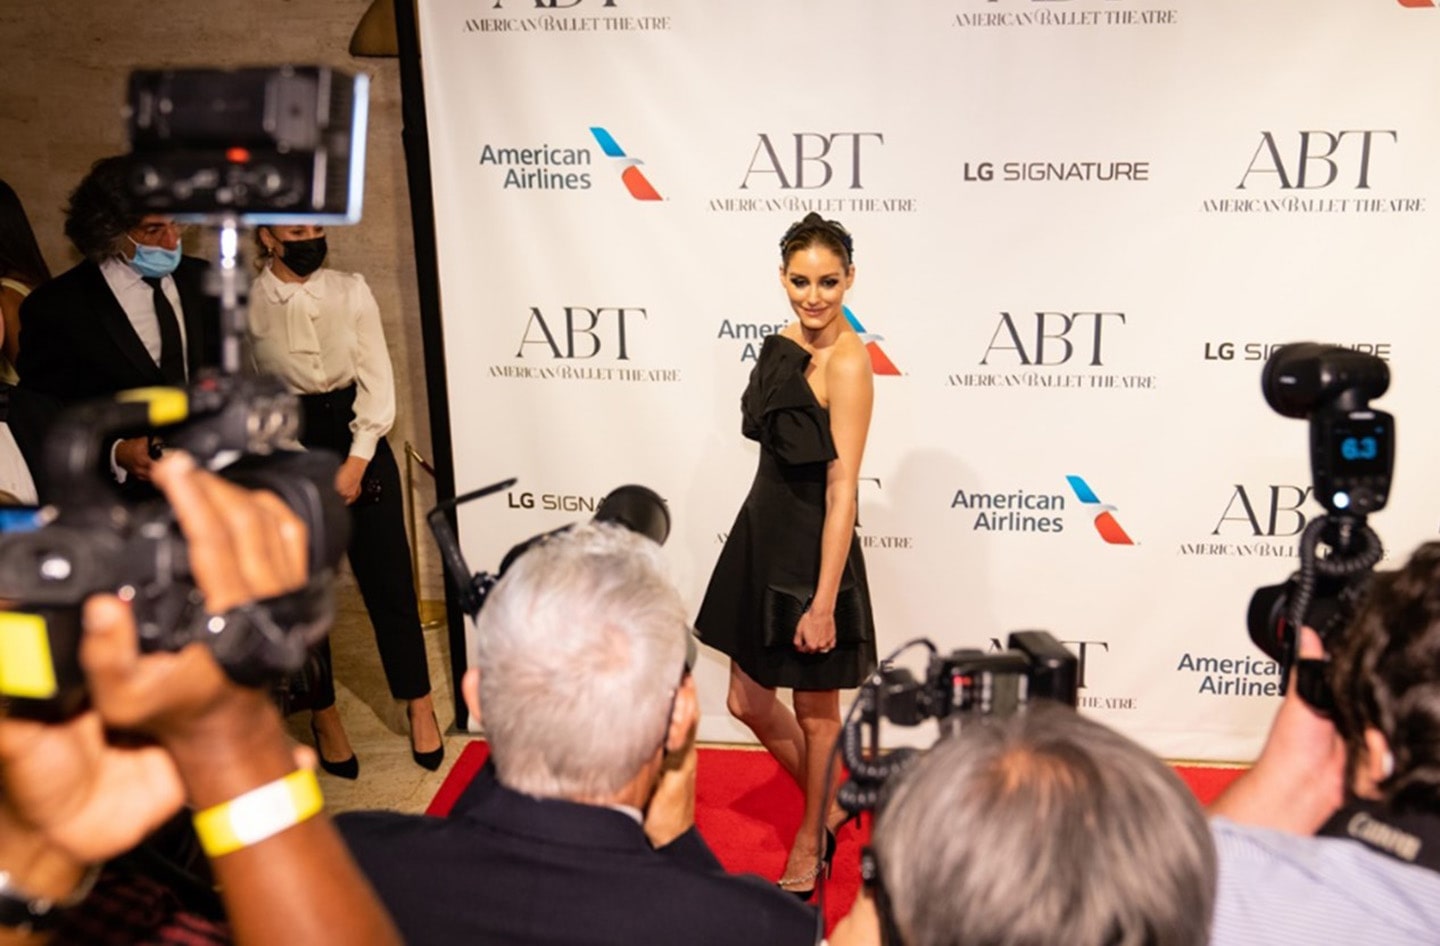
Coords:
172,349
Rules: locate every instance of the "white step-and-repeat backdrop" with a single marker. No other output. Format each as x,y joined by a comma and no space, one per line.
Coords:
1080,226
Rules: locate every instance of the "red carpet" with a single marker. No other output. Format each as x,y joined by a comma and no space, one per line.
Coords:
748,809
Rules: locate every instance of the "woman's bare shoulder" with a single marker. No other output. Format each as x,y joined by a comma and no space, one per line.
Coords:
849,358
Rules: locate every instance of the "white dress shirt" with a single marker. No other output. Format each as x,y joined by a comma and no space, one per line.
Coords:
321,335
138,300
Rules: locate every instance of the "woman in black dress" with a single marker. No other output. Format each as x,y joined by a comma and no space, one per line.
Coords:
788,601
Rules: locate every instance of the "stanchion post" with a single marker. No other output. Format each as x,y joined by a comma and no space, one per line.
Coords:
428,620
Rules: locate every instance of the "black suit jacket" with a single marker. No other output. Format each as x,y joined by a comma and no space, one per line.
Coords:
508,869
76,342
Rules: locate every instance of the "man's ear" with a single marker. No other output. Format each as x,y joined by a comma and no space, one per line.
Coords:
685,716
1379,760
470,689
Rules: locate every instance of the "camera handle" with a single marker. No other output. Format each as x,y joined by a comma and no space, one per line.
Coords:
869,771
1354,548
470,588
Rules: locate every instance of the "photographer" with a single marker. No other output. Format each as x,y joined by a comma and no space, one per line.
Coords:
1334,835
581,832
75,794
1038,828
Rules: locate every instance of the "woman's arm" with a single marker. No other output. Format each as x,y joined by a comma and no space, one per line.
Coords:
10,312
851,389
374,389
374,376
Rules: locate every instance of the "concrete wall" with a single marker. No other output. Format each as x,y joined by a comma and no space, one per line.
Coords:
63,65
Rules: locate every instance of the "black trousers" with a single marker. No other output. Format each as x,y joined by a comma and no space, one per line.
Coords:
379,556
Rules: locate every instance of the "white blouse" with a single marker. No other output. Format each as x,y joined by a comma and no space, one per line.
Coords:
321,335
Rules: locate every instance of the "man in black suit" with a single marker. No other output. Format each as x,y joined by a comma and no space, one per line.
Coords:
134,313
580,832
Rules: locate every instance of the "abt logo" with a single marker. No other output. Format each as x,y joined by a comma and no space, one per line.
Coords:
1273,511
1082,651
1317,154
1052,342
807,160
1105,522
580,332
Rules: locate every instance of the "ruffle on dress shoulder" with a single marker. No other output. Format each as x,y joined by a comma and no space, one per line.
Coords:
779,410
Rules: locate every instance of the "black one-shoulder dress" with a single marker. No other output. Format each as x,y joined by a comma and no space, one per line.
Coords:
771,559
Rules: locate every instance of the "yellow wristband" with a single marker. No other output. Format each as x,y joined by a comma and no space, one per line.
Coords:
259,813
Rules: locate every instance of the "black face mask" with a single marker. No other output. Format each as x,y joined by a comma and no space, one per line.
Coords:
303,257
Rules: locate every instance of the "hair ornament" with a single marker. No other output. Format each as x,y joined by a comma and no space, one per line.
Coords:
814,223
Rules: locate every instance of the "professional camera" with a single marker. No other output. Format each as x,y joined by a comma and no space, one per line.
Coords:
213,145
96,540
961,687
637,508
1352,454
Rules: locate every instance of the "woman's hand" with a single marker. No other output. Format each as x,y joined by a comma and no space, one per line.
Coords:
347,478
815,634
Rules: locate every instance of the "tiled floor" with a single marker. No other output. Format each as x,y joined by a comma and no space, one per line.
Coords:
376,724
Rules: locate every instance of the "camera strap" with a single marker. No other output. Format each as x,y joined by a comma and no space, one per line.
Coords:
1412,837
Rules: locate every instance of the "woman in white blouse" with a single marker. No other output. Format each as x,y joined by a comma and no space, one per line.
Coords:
319,331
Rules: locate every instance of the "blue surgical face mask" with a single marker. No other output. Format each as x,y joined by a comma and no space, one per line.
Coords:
154,261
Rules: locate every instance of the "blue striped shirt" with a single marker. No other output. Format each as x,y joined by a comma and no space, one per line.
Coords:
1284,888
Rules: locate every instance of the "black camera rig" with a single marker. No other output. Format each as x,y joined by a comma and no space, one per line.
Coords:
1352,455
637,508
960,688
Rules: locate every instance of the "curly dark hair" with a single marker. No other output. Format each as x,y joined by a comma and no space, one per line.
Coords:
20,256
814,229
101,209
1385,672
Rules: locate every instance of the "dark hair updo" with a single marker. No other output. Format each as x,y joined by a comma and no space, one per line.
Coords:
814,229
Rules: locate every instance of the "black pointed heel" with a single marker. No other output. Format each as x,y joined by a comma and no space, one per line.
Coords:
345,768
428,760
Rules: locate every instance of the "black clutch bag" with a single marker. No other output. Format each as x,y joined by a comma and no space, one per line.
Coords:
785,603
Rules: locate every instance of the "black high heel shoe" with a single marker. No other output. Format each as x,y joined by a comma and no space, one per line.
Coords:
428,760
345,768
821,869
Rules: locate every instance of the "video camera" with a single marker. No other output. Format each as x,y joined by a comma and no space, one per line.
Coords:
1352,455
270,146
212,146
962,687
637,508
